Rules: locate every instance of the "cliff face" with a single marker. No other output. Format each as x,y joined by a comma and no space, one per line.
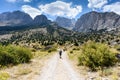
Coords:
97,21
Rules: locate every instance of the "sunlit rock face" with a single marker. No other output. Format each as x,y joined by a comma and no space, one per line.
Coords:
97,21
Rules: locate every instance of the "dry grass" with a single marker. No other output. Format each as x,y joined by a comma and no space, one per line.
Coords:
27,71
24,71
4,75
73,53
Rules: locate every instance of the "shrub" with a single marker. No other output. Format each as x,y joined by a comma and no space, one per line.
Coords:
96,56
52,49
5,58
49,51
76,48
23,54
71,52
106,72
76,44
14,55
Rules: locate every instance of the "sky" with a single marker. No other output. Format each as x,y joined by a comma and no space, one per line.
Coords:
64,8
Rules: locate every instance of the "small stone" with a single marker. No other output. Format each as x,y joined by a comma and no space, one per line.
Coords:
92,78
118,74
105,79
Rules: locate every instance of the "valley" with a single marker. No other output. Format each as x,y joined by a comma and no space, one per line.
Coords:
29,47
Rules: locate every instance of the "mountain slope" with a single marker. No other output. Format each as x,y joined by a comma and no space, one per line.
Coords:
45,35
97,21
65,22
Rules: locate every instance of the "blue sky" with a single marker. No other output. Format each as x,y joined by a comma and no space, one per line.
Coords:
64,8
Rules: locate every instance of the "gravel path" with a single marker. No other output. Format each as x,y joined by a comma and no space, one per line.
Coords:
59,69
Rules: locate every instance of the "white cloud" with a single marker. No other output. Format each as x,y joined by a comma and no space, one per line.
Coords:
60,8
33,12
97,4
115,7
27,0
11,1
57,8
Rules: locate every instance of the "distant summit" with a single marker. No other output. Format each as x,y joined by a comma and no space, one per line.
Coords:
14,18
65,22
97,21
41,20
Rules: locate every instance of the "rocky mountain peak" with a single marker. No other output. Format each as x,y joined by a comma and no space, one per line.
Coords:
41,19
14,18
97,21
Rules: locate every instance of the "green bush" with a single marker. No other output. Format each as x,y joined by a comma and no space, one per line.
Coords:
5,58
52,49
76,48
71,52
14,55
96,56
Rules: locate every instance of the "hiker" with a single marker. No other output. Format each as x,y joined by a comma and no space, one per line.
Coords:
60,53
118,55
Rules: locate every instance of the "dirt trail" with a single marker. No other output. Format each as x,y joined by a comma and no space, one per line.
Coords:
59,69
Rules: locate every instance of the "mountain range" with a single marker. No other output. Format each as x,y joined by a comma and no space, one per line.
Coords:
18,18
90,21
19,28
